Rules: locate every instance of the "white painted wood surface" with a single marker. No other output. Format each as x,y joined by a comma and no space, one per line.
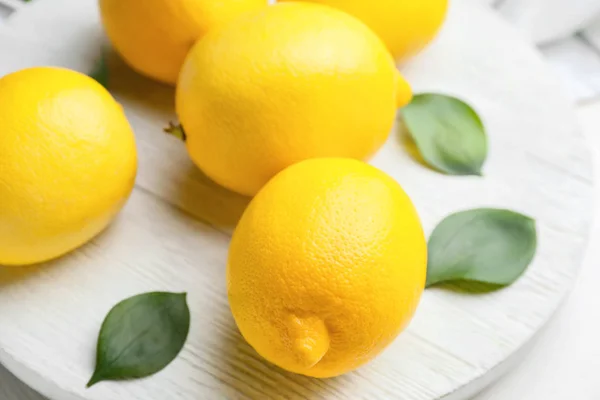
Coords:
564,363
538,164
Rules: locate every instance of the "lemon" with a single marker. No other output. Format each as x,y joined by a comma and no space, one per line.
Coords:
326,266
280,85
67,163
406,26
154,36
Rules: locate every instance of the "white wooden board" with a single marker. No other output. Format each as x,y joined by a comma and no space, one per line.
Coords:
565,358
173,234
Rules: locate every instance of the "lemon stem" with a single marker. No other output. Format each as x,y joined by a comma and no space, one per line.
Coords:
176,131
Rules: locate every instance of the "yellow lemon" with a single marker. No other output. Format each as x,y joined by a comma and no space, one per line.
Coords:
154,36
406,26
67,163
326,266
284,84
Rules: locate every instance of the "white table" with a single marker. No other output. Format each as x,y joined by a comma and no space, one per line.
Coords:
23,394
562,364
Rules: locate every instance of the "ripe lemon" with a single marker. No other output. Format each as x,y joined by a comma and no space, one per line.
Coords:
67,163
406,26
326,266
154,36
280,85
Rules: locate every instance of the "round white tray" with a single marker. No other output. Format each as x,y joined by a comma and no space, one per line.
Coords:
174,232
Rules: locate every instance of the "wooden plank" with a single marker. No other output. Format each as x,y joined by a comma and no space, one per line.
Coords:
538,164
563,363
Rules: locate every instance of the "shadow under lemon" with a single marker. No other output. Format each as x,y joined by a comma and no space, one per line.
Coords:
10,275
128,85
469,287
245,373
203,199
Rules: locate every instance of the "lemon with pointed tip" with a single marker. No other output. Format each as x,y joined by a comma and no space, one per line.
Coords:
67,163
154,36
287,83
326,266
406,26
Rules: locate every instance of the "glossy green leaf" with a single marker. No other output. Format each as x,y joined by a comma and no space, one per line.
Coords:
486,245
140,336
100,72
448,133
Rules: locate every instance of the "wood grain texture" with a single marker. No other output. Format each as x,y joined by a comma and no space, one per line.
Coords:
173,233
564,361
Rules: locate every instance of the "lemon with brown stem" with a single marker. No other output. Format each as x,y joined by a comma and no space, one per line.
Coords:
284,84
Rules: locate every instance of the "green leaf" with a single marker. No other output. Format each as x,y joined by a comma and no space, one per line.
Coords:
100,72
140,336
448,133
485,245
